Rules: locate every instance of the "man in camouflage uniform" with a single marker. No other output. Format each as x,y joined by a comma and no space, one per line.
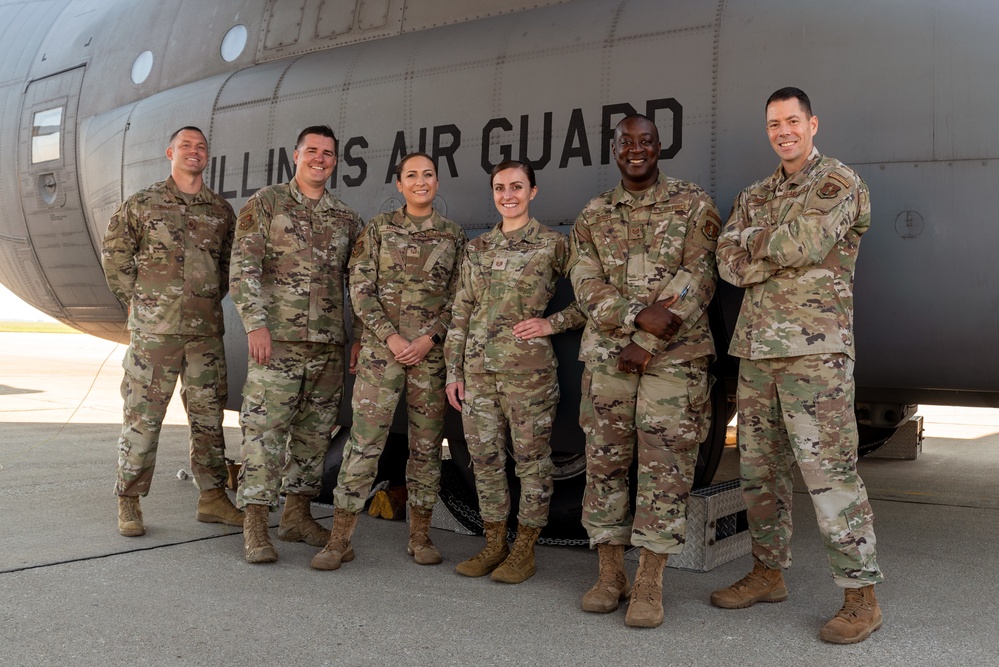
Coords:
288,263
166,255
501,369
403,272
643,268
792,242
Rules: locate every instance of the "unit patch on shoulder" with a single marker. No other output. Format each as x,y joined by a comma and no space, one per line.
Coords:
358,248
245,222
712,228
829,190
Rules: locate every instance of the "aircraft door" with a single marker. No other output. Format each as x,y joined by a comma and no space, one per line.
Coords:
67,256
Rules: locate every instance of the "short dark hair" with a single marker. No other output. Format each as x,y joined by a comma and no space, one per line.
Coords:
635,116
191,128
514,164
321,130
791,93
407,158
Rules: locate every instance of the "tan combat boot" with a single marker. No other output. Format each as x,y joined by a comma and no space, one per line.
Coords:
489,558
612,582
646,607
859,617
130,517
297,524
339,549
257,545
519,565
420,547
214,506
760,585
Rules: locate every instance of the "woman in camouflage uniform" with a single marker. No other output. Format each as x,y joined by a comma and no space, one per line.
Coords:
501,368
403,272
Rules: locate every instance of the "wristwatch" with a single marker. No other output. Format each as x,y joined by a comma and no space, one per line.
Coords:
436,338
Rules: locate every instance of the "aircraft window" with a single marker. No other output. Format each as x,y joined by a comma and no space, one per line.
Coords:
46,128
142,66
233,43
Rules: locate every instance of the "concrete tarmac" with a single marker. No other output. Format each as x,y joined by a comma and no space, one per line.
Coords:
74,592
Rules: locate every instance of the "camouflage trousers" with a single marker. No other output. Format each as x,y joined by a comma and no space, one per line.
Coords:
289,407
525,403
380,382
664,414
152,364
801,408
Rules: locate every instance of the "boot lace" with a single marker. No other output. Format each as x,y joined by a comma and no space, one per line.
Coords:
853,604
130,510
258,531
520,548
644,588
608,574
755,580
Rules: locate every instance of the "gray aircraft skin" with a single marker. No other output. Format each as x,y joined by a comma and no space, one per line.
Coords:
90,91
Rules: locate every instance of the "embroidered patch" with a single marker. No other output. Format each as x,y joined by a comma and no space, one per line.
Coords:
499,264
711,229
245,223
829,190
840,179
358,248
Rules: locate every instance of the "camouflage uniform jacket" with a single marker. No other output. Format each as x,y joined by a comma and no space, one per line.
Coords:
504,281
169,260
289,261
792,243
403,275
629,253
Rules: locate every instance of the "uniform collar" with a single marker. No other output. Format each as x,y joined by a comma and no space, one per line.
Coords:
528,233
202,196
399,219
799,177
325,202
621,196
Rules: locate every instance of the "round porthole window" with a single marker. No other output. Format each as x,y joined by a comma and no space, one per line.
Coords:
233,43
142,66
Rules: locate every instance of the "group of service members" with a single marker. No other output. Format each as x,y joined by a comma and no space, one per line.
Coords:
452,321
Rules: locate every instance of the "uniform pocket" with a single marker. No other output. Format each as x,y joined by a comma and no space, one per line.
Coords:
206,232
286,236
139,376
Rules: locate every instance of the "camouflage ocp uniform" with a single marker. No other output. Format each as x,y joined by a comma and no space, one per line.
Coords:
288,266
166,255
628,253
792,242
508,381
402,280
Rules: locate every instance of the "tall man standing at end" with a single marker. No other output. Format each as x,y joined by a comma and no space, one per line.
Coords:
289,259
643,268
166,255
792,242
